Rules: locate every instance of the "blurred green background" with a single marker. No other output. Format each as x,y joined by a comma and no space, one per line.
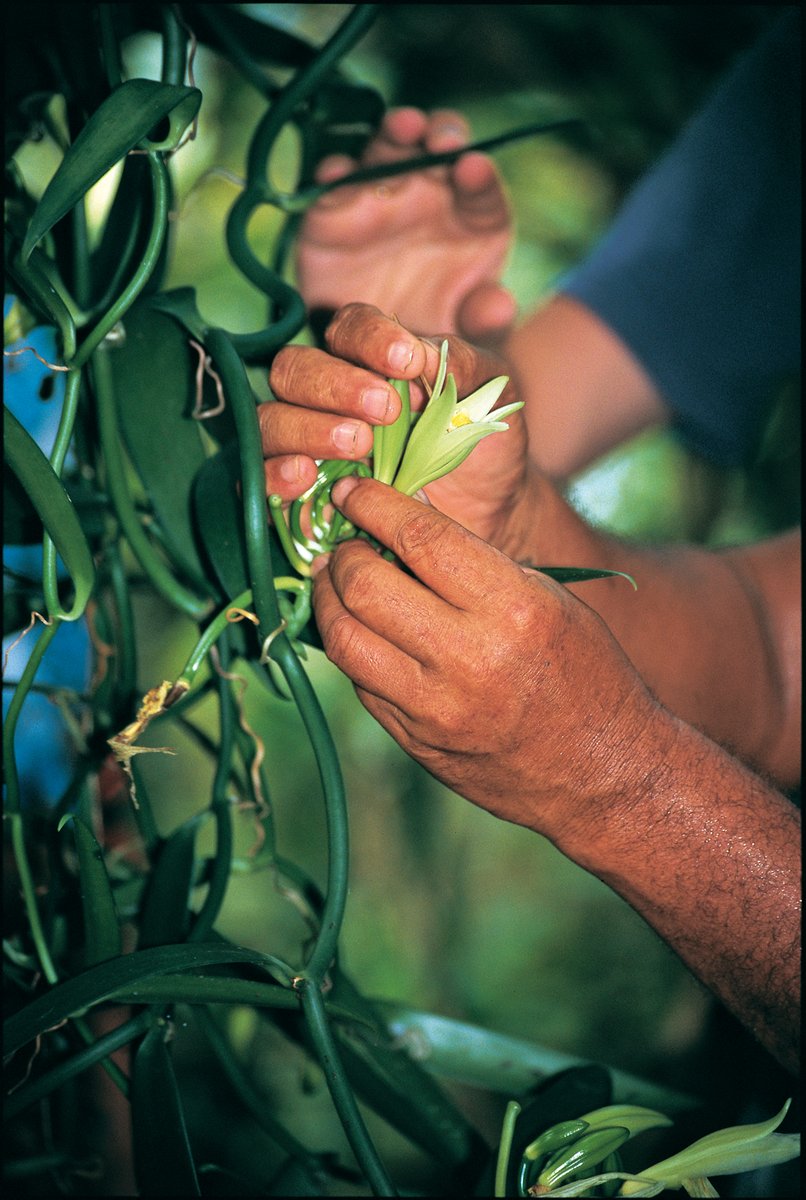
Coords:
450,910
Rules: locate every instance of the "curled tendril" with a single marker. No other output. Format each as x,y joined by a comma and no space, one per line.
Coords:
310,526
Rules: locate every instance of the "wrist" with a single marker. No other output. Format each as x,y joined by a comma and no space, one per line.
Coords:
627,798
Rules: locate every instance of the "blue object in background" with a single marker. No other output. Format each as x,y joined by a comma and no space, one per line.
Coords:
45,751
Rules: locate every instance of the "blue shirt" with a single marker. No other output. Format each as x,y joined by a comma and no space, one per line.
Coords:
699,275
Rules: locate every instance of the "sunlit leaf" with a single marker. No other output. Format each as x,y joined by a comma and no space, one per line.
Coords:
126,119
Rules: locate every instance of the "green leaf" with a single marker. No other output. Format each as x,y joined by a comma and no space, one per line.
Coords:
55,508
219,521
154,372
125,119
389,440
497,1062
578,574
21,523
165,914
102,981
101,926
163,1162
394,1084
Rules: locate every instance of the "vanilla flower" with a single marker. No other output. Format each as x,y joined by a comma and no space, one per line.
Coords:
443,435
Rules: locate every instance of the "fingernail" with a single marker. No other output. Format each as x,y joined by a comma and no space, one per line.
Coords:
290,470
319,564
400,355
342,488
375,402
345,435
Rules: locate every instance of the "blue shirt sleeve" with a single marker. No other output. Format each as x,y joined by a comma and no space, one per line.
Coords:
699,275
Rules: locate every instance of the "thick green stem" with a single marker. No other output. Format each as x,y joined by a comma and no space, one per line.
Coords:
343,1099
258,550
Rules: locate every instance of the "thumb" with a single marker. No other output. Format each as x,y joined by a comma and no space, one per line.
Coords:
487,314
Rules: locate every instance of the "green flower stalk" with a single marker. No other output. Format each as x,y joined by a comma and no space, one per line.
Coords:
448,429
726,1152
413,451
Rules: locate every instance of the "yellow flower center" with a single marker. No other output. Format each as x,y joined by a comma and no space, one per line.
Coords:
459,419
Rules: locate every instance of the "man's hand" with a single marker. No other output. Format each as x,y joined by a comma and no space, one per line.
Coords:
329,404
515,695
427,246
500,682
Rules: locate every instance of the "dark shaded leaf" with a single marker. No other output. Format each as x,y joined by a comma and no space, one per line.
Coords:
562,1097
49,48
165,915
51,501
163,1162
229,30
218,515
101,926
22,525
579,574
154,371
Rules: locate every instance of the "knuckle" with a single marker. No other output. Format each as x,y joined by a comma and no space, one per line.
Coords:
285,371
419,537
352,318
520,613
339,636
357,584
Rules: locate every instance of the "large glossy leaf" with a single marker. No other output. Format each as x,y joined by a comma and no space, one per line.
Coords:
48,496
100,982
388,1078
22,525
498,1062
135,111
218,516
163,1162
154,372
558,1098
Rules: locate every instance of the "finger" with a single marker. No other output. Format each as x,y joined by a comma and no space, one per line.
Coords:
448,559
331,168
399,137
288,476
304,375
470,366
393,605
487,314
479,194
367,659
447,130
287,429
363,334
404,126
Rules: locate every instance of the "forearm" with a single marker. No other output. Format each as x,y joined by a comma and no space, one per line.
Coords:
709,855
716,636
584,392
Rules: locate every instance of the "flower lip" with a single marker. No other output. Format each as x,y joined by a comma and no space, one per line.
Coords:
448,429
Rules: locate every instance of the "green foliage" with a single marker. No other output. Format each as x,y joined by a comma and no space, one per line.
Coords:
151,512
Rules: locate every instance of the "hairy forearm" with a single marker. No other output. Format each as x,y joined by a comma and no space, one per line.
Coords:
709,855
716,636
